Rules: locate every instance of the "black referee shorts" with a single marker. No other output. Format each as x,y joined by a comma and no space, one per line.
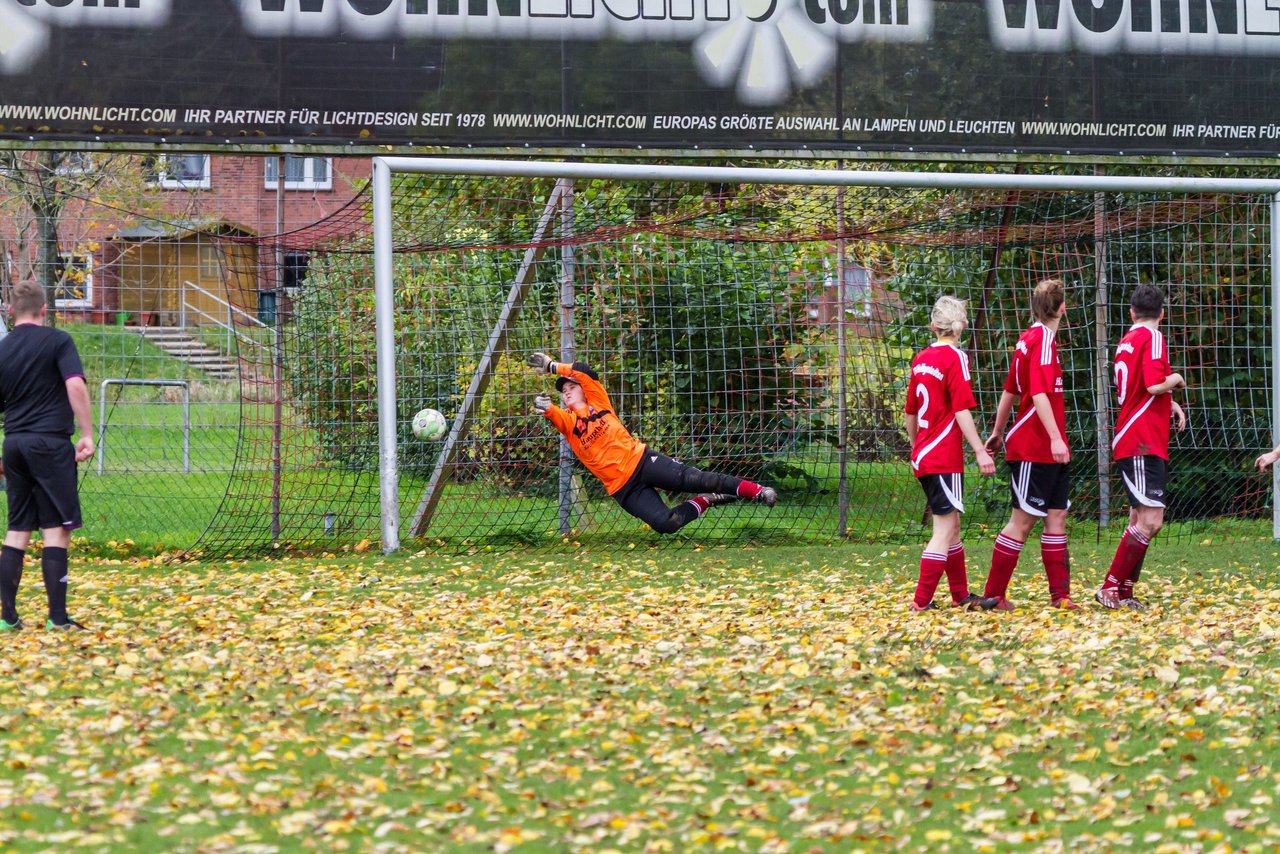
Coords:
42,484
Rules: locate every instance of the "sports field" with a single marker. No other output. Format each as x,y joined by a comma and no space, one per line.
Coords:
766,699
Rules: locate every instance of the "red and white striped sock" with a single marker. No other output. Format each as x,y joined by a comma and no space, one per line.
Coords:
748,489
1127,562
932,565
700,503
957,577
1004,559
1057,565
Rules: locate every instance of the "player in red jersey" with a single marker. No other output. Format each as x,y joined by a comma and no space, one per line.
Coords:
939,398
1144,386
1036,452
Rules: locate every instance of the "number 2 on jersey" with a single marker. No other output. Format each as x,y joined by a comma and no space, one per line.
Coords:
923,394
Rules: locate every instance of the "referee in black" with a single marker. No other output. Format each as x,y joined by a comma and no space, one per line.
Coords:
43,397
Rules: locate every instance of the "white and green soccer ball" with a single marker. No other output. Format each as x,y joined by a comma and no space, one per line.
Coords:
429,425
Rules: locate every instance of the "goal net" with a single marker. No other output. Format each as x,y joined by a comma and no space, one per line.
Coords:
759,329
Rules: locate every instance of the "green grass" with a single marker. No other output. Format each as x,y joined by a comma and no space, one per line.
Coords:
143,494
121,353
757,699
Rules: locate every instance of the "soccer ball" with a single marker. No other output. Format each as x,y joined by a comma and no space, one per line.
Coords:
430,425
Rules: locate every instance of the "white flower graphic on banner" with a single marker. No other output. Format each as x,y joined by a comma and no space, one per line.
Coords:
769,50
22,38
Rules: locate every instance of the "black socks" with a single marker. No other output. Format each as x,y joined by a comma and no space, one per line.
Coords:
10,578
53,564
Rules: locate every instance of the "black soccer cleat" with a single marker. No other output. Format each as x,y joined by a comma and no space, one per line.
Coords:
715,499
932,606
69,626
974,602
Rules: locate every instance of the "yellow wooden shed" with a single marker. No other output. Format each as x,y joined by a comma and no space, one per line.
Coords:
191,273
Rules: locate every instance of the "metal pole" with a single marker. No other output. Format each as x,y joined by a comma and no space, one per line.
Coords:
384,334
842,351
825,177
566,345
102,421
1275,361
186,429
277,367
1101,380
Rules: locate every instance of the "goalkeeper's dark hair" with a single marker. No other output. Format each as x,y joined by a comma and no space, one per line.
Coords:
581,367
1147,301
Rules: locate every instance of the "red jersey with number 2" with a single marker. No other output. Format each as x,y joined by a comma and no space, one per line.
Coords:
1034,369
1142,360
939,388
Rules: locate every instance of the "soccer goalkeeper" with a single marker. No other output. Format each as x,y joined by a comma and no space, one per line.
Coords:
631,471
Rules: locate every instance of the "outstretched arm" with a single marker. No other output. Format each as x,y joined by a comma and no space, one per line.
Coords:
559,419
579,372
1268,458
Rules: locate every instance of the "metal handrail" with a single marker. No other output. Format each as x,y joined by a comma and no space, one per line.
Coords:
230,327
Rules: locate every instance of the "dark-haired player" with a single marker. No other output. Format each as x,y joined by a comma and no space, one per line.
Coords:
631,471
43,396
1144,386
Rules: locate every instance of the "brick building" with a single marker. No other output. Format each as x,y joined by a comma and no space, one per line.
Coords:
188,252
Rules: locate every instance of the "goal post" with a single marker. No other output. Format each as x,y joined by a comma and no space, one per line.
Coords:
1080,239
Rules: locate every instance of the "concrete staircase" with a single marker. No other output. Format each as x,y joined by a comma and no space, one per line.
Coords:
176,342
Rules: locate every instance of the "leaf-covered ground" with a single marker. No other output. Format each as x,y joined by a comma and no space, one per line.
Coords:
720,699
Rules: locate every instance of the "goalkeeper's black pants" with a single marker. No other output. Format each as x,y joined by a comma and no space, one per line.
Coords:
640,498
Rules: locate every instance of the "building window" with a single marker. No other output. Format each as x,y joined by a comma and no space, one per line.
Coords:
824,306
75,281
300,173
210,261
76,163
857,288
180,171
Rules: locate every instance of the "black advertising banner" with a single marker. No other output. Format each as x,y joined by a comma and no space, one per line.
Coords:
1054,76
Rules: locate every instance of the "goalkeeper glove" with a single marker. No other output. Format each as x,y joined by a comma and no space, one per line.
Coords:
540,361
541,404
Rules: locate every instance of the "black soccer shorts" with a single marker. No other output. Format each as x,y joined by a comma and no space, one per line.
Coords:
944,493
1145,479
42,486
1037,488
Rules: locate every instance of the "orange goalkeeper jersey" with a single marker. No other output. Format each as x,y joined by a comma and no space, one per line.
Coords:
595,433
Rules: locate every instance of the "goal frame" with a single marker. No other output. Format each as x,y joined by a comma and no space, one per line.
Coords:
384,169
